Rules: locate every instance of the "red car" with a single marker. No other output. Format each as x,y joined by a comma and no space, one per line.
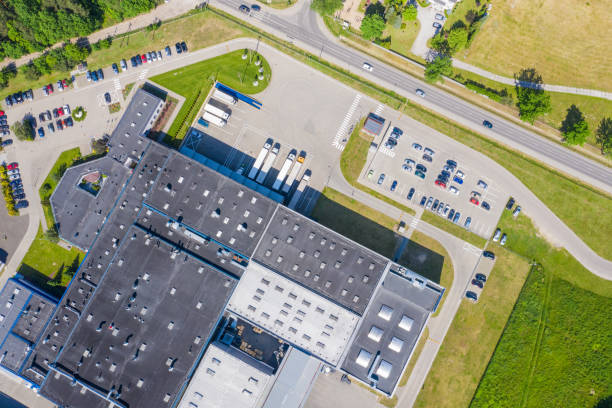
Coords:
64,83
144,58
474,200
441,183
12,166
1,113
60,111
50,88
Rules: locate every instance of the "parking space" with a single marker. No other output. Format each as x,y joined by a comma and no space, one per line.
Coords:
479,278
329,390
443,179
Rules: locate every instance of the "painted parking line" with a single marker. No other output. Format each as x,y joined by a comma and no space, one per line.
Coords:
344,126
387,152
143,74
117,84
379,109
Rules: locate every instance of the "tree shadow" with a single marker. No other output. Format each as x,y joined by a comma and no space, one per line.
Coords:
375,8
42,281
604,403
573,116
153,90
458,24
422,260
528,78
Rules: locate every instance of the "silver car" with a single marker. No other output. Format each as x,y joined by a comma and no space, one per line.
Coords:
503,239
496,235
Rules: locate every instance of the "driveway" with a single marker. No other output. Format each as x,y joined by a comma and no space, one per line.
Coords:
426,16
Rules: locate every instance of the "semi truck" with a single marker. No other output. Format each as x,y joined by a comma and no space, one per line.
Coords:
215,120
283,171
294,172
216,111
229,99
297,195
260,159
267,164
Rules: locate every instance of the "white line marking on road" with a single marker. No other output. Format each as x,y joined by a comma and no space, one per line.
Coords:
142,75
379,109
414,222
342,130
386,152
117,84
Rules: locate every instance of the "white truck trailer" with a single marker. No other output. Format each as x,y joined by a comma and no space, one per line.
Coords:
229,99
293,174
216,111
267,164
260,159
215,120
283,171
297,195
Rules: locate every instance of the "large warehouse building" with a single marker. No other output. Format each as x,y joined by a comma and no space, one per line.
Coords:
198,291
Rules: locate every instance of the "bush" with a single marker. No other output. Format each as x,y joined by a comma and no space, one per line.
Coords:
23,130
409,13
499,96
372,26
79,114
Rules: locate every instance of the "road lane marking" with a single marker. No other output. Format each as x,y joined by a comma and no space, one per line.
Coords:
344,126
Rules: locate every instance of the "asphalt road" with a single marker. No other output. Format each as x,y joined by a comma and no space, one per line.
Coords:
301,25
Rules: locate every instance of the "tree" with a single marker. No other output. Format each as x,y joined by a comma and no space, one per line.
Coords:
397,4
23,130
98,145
439,43
574,128
326,7
372,26
409,13
457,39
52,235
604,136
532,101
470,16
438,67
31,72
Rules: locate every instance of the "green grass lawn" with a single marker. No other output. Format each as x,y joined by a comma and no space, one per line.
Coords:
65,160
356,221
194,82
452,228
48,265
402,39
472,337
278,4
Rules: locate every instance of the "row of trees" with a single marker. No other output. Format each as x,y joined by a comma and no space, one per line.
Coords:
7,192
575,130
27,26
377,16
62,59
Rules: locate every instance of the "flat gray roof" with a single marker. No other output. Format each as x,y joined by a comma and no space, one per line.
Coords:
321,259
389,331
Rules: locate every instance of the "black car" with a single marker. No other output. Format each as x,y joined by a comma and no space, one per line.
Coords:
8,100
18,190
244,9
427,158
107,97
184,46
55,113
485,205
133,62
422,168
471,295
100,74
478,283
60,126
255,7
115,68
410,194
16,184
510,204
487,124
488,254
7,142
18,196
481,277
451,163
178,48
69,121
423,200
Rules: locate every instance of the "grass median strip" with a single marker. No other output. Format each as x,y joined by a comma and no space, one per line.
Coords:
453,229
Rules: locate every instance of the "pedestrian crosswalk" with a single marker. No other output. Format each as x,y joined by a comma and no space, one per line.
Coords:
471,248
343,130
117,84
379,109
414,222
143,74
387,152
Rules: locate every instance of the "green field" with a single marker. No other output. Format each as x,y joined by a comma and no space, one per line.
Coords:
402,39
278,4
472,337
194,82
48,265
65,160
453,228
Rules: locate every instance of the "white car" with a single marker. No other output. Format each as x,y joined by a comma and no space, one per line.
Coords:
439,17
454,190
482,184
420,92
11,172
460,174
496,235
367,67
66,110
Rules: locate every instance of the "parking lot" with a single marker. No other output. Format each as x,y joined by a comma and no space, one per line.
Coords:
304,113
401,162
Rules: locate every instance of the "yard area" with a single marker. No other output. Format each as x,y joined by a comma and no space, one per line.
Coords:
194,82
402,39
554,349
566,41
48,265
472,337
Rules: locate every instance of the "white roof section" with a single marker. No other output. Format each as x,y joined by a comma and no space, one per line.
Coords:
226,377
293,313
396,344
375,333
385,312
364,357
384,369
406,323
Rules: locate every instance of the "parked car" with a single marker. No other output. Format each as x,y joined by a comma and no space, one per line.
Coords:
440,183
381,178
429,203
420,93
19,196
94,76
123,64
488,254
178,48
487,124
12,166
51,128
12,171
101,74
460,174
16,184
474,200
454,190
478,283
471,295
427,158
184,46
456,217
510,204
41,117
423,201
7,142
21,204
516,211
159,55
451,163
419,174
394,185
60,85
407,168
410,193
417,146
107,97
168,52
153,55
482,184
370,173
14,177
437,25
485,205
451,214
66,109
481,277
439,17
59,124
9,101
496,235
503,239
115,68
68,121
421,167
133,62
429,151
434,207
41,132
468,222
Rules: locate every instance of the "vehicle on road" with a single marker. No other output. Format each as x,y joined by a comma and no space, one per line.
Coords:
516,211
471,295
481,277
468,222
367,67
394,185
255,7
478,283
410,193
496,235
107,97
510,204
503,240
420,92
454,190
487,124
381,178
244,8
485,205
488,254
427,158
419,174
